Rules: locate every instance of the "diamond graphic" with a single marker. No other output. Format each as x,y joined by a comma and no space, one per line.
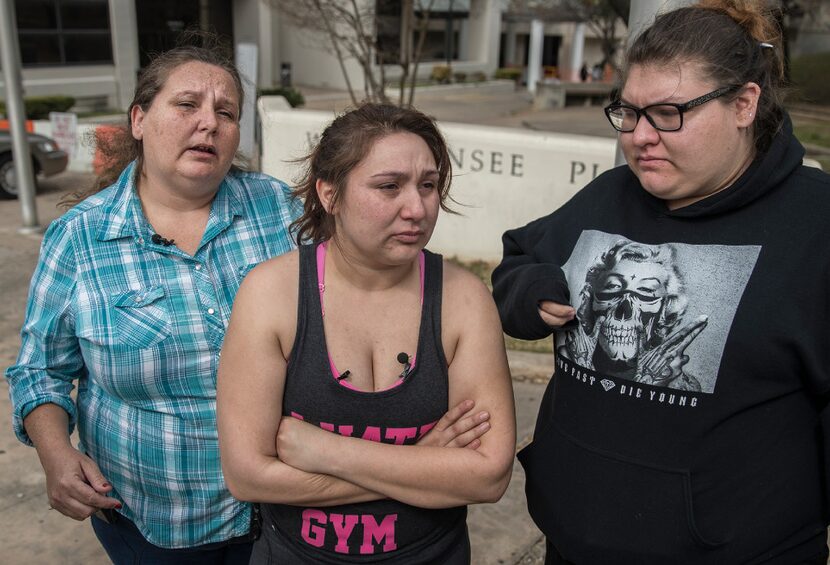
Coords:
607,384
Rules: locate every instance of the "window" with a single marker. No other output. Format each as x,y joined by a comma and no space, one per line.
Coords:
63,32
160,23
444,22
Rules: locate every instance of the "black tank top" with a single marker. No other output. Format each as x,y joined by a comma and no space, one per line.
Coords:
384,530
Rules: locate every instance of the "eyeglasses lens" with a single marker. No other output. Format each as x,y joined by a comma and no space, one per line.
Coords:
663,117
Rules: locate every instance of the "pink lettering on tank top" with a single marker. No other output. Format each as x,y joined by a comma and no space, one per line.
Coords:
317,524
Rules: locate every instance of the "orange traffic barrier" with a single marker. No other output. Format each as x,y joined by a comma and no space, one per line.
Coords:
30,125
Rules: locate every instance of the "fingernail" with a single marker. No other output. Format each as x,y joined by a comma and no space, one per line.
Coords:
483,416
106,485
118,506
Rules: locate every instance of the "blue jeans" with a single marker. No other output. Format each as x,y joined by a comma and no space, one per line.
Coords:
125,545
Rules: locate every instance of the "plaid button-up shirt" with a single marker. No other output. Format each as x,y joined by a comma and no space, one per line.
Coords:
139,326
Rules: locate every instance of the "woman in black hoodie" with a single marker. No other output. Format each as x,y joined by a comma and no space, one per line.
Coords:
689,297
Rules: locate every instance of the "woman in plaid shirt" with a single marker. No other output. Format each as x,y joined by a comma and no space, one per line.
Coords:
130,300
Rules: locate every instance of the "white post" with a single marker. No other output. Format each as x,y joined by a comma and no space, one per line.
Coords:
464,40
643,12
21,152
534,63
246,62
577,51
124,50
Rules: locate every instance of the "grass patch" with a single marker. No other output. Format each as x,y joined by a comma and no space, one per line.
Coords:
814,134
539,346
809,78
484,270
825,162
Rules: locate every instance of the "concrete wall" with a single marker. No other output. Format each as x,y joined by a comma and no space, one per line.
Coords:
503,178
82,81
482,33
314,63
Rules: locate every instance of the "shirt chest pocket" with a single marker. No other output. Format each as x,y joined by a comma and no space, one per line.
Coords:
140,317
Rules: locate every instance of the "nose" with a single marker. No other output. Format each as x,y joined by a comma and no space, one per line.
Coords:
624,309
644,133
412,207
207,118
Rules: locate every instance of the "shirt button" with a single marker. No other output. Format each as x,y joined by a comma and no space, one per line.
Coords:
141,241
198,267
137,299
211,311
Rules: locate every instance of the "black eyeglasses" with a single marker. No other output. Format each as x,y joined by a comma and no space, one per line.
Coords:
663,117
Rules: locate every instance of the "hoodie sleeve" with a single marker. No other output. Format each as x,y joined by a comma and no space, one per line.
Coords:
523,279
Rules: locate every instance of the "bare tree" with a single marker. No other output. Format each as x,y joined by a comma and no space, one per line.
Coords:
350,29
410,60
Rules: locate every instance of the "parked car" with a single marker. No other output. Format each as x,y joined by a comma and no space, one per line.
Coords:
47,160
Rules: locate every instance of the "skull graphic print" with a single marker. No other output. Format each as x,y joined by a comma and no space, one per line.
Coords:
631,316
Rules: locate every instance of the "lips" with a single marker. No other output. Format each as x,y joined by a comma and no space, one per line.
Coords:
203,148
648,162
411,236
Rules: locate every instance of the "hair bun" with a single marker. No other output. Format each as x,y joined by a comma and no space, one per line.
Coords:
756,17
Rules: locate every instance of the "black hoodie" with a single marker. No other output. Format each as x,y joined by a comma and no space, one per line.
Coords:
684,422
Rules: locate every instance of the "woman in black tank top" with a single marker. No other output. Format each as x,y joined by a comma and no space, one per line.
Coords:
342,360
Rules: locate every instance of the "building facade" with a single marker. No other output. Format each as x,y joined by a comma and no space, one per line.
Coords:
93,49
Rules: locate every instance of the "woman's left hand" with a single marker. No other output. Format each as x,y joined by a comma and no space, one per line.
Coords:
458,429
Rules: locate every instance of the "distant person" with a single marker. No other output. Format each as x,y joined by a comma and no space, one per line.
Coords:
349,351
596,72
687,421
583,73
130,301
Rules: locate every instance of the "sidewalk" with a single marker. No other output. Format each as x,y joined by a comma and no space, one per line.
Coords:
500,533
490,105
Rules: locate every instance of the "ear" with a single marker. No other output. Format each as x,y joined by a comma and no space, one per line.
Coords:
137,122
746,104
325,192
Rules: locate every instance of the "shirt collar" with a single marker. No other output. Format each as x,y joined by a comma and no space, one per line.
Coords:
123,216
120,206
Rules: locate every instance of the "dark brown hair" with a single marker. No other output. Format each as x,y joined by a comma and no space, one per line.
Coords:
735,41
344,144
116,146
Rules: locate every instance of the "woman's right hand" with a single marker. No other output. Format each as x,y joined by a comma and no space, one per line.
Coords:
457,428
554,314
75,485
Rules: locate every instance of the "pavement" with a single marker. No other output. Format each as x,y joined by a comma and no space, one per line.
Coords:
491,104
30,532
